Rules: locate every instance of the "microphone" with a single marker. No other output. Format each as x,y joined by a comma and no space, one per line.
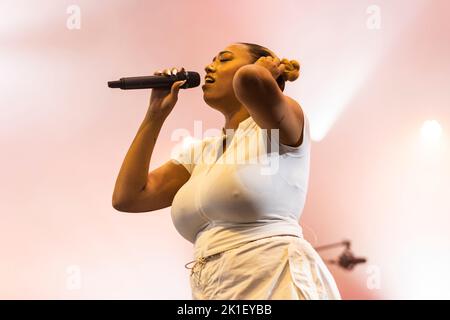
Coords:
348,261
145,82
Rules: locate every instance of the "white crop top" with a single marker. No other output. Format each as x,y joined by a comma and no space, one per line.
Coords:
233,198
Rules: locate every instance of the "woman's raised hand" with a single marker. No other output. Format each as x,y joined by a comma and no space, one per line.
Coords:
162,100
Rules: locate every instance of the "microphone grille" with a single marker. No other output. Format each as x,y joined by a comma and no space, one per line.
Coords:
193,79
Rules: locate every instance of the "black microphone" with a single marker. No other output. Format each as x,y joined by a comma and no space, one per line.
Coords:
165,81
348,261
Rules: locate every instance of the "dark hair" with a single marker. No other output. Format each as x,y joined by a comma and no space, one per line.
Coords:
257,51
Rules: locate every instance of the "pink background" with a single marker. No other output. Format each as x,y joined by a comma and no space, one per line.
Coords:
367,92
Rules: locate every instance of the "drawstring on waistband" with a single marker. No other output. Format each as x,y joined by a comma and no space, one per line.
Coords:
199,264
200,261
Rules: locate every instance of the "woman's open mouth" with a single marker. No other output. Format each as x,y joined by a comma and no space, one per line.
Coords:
209,79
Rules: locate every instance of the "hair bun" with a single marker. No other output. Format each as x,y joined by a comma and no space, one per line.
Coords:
291,70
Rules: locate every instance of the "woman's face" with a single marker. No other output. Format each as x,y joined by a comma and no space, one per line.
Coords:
219,93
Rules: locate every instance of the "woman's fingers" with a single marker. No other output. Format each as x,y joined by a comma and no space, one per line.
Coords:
168,71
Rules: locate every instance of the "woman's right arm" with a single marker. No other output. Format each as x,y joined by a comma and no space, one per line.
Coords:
137,190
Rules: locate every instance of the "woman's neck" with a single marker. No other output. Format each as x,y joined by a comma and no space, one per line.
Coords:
232,120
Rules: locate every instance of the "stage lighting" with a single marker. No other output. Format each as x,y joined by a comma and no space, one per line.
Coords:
431,132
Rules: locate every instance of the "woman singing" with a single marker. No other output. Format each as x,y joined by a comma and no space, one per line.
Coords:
241,213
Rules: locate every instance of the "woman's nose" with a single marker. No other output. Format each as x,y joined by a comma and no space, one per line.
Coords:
209,68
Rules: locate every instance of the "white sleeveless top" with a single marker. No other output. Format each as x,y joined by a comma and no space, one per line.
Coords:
256,189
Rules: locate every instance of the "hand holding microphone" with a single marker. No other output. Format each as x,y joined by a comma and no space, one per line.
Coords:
163,99
165,86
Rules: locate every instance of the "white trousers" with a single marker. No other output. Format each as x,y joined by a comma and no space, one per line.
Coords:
277,267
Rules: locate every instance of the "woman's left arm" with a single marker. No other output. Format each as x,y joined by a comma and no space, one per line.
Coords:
256,88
